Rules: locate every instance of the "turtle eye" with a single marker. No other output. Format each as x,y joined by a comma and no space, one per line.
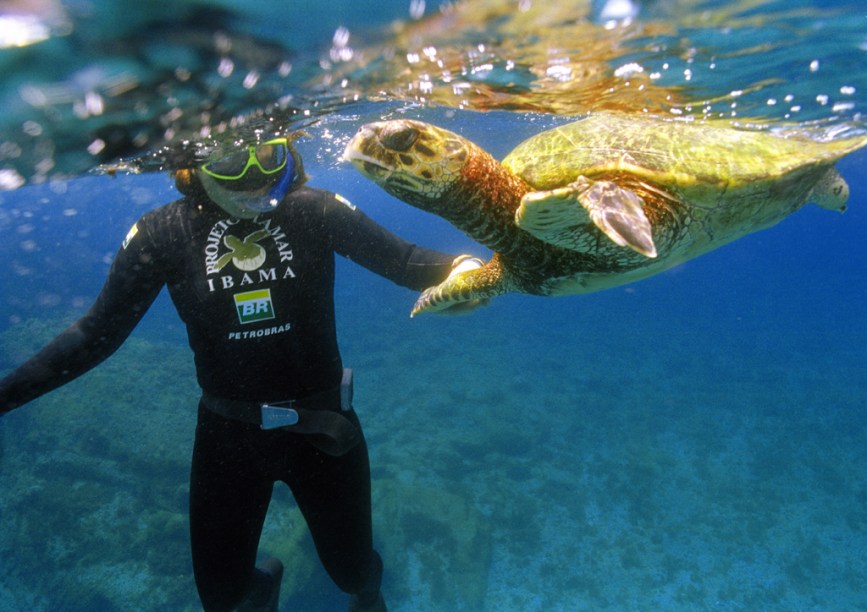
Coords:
398,137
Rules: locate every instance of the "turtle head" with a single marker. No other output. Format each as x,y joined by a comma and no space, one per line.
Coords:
414,161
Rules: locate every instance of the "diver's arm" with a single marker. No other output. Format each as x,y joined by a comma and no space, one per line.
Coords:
359,238
130,289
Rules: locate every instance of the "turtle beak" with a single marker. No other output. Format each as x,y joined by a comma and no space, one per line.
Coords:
365,152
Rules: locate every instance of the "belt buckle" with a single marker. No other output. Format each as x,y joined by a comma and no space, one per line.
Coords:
275,416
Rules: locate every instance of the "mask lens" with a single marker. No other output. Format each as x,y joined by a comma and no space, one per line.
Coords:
232,166
272,156
269,157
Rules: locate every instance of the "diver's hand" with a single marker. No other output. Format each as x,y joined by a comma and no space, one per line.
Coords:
461,264
464,263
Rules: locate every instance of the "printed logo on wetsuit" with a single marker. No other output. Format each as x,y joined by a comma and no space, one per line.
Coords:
236,259
254,306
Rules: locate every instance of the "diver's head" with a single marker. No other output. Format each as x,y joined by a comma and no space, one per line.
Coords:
251,178
246,173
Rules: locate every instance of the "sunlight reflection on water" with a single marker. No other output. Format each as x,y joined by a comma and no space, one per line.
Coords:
83,100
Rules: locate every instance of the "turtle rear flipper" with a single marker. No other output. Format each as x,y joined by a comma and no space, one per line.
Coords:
561,216
831,191
480,284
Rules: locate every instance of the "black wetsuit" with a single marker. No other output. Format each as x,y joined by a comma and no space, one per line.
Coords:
257,300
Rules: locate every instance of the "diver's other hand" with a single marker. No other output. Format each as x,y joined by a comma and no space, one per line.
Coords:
461,264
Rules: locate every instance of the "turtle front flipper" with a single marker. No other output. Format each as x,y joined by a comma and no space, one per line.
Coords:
480,284
561,216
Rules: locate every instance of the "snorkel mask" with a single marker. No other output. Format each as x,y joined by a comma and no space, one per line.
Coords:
247,173
252,179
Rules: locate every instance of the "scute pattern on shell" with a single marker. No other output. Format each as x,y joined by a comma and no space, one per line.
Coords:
671,152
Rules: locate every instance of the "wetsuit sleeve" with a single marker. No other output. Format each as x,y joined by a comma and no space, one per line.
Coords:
359,238
131,287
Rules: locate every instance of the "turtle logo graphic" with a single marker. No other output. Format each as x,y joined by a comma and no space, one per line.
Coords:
245,254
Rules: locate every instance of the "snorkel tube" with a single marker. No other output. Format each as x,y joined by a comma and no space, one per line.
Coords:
289,179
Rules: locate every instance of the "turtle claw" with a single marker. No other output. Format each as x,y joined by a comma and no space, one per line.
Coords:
443,299
426,302
430,301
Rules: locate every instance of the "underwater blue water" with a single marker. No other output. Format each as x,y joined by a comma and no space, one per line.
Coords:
697,440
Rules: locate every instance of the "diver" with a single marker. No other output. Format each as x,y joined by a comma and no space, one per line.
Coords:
247,255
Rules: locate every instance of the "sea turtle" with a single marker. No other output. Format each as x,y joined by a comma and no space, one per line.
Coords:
599,202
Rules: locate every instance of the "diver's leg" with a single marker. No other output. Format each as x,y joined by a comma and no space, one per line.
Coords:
229,496
333,494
